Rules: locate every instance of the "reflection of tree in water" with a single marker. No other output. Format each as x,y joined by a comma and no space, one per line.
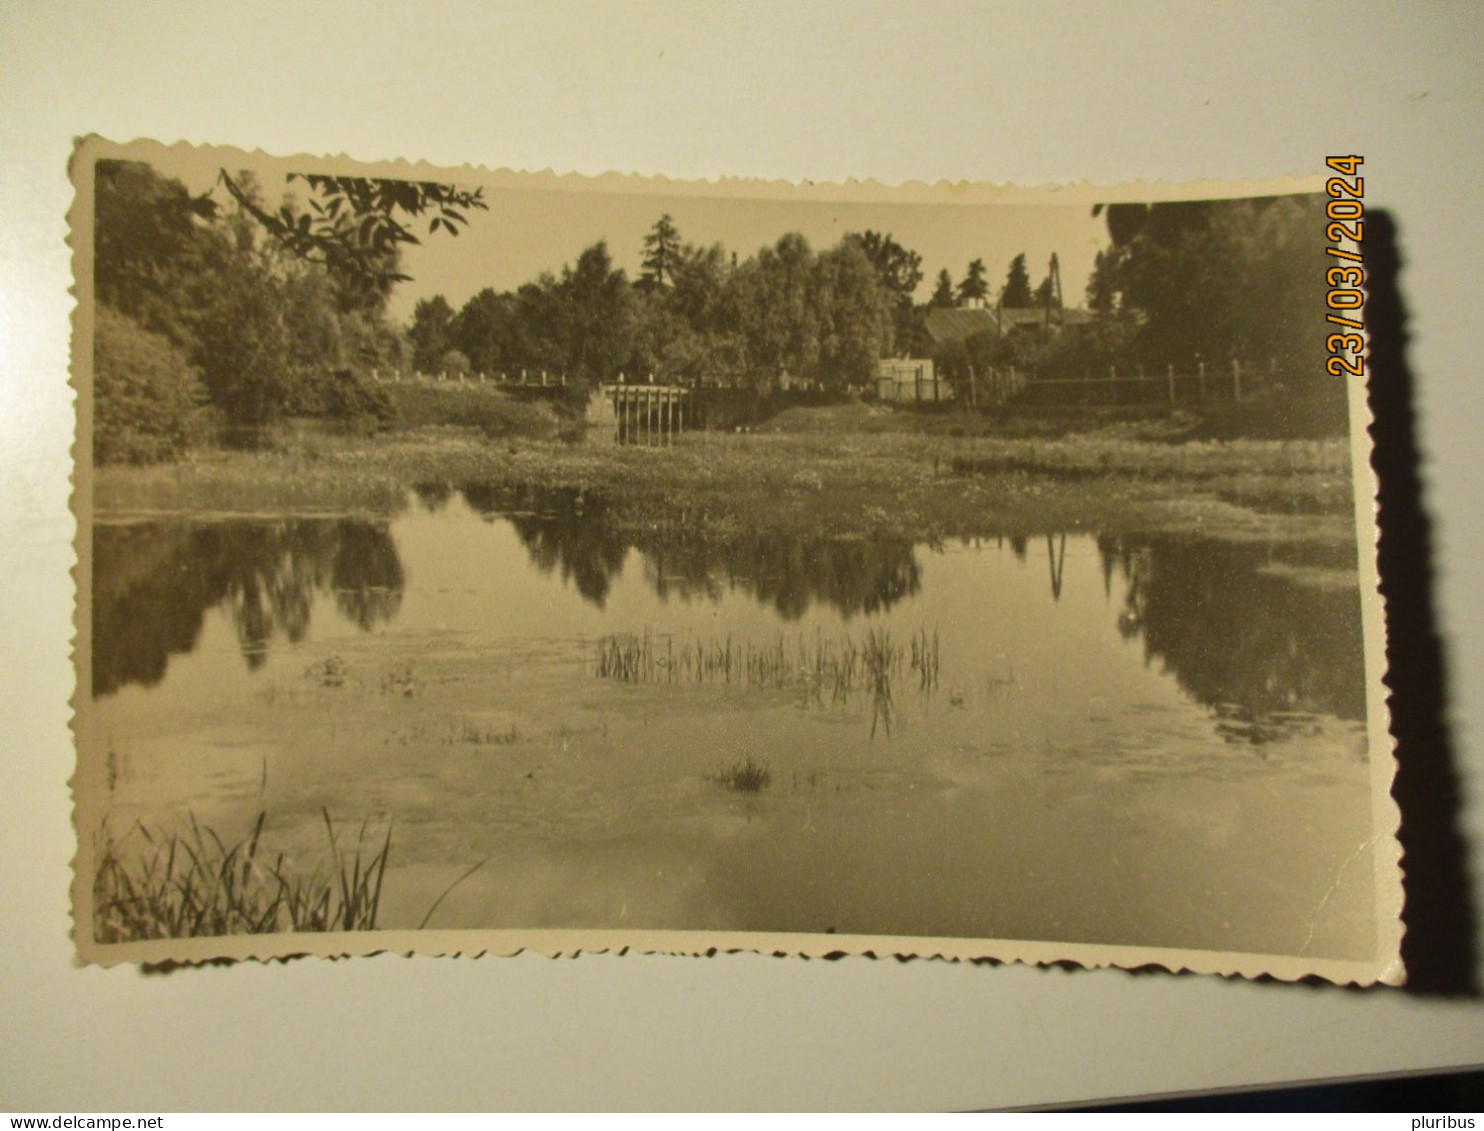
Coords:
366,575
1235,635
568,531
562,530
154,582
790,573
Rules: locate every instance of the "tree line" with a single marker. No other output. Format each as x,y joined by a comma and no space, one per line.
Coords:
974,287
248,311
1184,285
821,318
1180,284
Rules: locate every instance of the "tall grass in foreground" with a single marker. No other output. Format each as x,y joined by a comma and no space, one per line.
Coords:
815,665
194,884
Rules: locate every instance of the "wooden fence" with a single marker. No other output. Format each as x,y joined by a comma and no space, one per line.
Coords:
998,386
1234,381
526,379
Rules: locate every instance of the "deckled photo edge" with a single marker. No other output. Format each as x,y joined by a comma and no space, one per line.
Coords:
87,811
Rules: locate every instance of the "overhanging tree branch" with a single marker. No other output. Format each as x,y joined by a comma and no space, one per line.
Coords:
355,225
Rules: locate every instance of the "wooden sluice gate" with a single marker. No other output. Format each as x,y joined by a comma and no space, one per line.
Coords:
650,414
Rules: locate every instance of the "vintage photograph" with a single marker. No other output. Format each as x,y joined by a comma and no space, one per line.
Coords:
482,561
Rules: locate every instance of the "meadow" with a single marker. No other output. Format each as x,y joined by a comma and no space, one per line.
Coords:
848,471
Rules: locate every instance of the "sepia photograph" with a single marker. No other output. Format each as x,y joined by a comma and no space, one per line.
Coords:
479,561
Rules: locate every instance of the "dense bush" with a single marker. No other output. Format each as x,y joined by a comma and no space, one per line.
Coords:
419,405
343,394
146,397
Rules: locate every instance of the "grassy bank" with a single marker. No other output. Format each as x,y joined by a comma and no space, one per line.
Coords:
816,476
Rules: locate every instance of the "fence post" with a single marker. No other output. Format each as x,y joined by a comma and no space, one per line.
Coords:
1171,371
1236,380
1202,368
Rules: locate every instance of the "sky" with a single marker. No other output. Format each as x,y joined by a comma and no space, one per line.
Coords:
535,224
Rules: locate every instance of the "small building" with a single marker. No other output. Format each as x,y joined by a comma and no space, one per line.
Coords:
910,380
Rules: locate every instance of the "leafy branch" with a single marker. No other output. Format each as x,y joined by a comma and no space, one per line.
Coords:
354,226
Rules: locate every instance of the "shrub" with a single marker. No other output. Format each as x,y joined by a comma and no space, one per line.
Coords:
146,396
454,362
340,394
489,410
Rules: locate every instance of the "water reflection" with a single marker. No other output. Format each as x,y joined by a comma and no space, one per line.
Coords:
562,531
535,680
1248,630
571,532
154,582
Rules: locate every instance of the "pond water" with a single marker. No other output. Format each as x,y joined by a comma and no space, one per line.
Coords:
1150,741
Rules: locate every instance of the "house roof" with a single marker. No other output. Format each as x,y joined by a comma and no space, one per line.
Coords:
953,324
1037,316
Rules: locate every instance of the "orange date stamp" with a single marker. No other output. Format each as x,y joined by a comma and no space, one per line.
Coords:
1345,212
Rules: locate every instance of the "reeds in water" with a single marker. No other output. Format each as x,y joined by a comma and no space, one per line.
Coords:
194,884
818,666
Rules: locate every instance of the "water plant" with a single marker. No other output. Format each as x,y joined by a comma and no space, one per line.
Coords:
192,883
483,734
399,679
745,776
329,672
